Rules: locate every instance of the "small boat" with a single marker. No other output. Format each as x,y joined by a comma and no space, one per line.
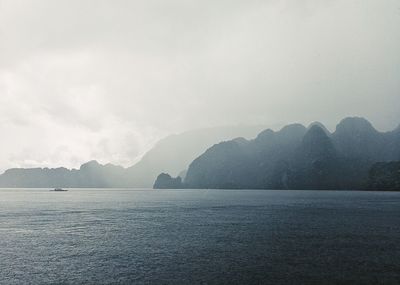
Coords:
59,190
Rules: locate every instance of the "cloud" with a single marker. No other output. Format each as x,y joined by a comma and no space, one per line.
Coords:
104,80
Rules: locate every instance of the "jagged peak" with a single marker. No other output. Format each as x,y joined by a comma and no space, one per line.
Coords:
292,127
317,143
319,124
292,131
315,132
165,175
92,163
355,124
265,134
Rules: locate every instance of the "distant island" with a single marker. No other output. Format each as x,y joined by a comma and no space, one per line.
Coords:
172,154
354,157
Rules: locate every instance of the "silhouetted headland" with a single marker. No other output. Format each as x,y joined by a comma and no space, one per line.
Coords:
354,157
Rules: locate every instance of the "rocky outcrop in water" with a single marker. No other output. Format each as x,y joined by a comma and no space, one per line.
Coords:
165,181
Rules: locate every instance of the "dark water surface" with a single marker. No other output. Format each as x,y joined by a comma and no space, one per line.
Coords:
199,236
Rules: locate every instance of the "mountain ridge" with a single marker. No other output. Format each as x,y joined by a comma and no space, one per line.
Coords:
171,154
297,157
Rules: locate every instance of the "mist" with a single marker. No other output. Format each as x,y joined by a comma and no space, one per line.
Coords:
105,80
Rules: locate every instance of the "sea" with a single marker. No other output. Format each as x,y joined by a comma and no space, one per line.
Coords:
144,236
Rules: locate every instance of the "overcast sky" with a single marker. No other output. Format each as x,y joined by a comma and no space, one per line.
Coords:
82,80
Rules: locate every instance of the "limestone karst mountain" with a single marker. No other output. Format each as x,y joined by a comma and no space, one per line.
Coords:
297,157
172,154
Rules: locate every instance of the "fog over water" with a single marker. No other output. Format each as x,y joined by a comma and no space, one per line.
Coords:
105,80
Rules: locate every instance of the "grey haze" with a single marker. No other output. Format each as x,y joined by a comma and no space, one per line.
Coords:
105,80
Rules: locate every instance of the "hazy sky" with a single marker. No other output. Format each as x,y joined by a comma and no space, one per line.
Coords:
104,80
